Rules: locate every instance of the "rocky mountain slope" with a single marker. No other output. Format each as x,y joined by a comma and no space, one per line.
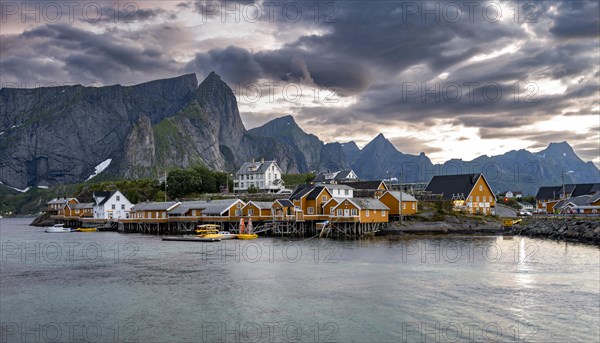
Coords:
60,135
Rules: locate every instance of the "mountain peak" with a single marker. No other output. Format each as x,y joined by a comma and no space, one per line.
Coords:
288,119
561,148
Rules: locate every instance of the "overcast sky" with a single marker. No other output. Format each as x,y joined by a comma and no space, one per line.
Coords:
452,79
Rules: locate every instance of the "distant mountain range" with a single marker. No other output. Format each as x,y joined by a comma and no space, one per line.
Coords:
60,135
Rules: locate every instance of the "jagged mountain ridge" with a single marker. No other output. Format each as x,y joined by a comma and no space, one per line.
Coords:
58,135
309,151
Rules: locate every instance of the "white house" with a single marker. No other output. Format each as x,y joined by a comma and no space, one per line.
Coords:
336,176
514,194
111,205
264,175
339,191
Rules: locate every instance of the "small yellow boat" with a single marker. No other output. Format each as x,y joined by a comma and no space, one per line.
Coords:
206,229
247,236
86,229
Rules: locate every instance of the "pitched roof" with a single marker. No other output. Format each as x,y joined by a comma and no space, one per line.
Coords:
585,189
83,205
217,207
595,197
548,192
285,202
300,191
367,203
264,205
343,174
365,185
449,185
60,200
107,197
405,196
185,206
334,186
315,192
154,206
255,167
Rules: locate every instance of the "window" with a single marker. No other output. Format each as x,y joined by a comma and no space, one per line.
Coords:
239,205
332,209
383,213
366,213
118,198
113,206
404,206
324,198
251,212
346,192
311,210
477,198
413,206
353,211
122,206
471,199
339,212
480,188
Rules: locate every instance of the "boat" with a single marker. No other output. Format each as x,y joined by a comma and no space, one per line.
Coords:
58,228
249,235
189,239
220,235
86,229
206,229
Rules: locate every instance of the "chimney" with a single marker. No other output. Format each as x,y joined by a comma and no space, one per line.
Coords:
262,160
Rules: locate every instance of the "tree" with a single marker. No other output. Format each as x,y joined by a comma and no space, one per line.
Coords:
252,189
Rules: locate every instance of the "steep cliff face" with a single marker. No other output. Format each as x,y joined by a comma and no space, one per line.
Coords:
60,134
310,153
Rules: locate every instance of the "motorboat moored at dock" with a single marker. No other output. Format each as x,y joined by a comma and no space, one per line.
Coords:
58,228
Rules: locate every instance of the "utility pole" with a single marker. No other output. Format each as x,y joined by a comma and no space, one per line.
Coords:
400,181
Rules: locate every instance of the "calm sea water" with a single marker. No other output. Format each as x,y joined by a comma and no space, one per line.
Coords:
111,287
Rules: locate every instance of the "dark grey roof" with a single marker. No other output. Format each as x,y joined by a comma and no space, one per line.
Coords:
59,201
153,206
585,189
257,167
300,191
548,192
107,197
285,202
343,175
314,193
364,185
595,197
265,205
367,203
450,185
83,205
217,207
405,196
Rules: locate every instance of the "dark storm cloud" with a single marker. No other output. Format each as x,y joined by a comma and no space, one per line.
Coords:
84,56
577,19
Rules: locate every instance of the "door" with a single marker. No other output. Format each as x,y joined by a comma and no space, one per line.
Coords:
346,212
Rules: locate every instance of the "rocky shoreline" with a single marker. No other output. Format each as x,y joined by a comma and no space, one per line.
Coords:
562,229
584,230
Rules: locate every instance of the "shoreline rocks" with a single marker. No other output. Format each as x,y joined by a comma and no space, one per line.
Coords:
583,230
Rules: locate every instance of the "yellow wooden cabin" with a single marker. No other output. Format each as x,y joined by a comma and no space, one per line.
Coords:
283,209
468,192
329,207
258,210
310,199
391,199
362,210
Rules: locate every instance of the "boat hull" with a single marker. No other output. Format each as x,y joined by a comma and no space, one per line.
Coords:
86,229
190,239
247,236
61,230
